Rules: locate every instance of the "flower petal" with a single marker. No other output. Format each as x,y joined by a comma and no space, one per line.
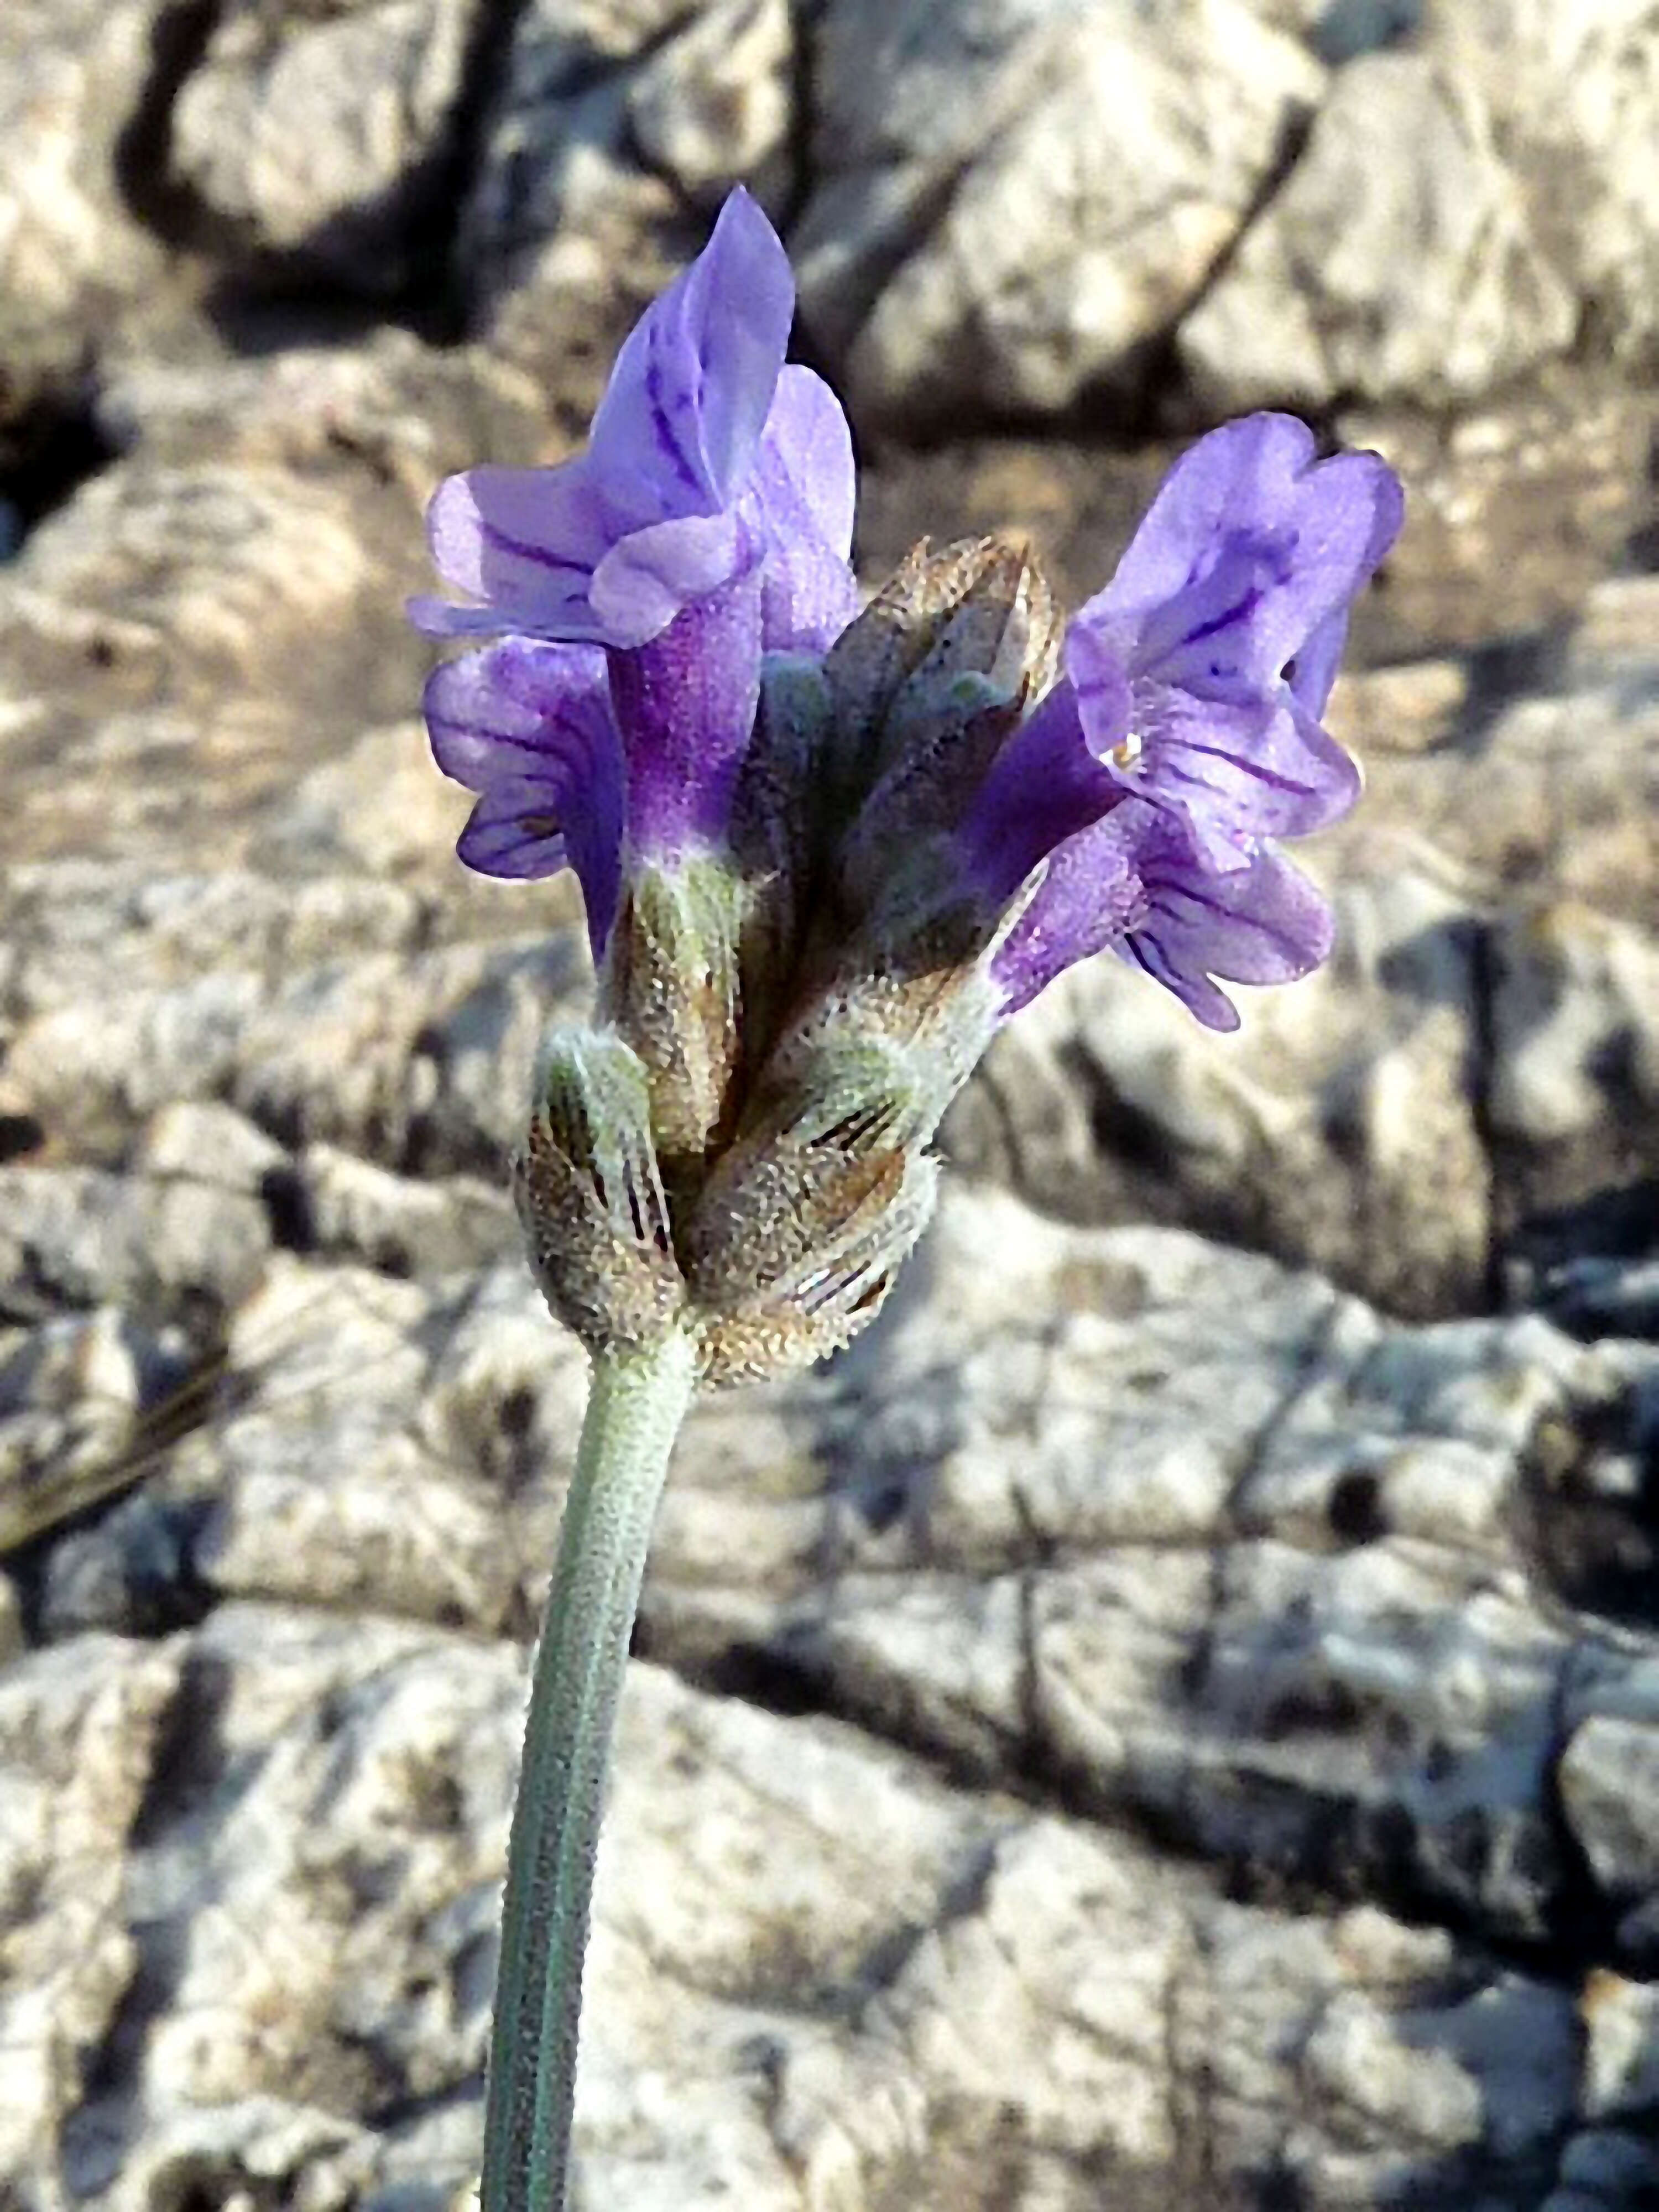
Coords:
1236,478
514,831
1263,924
1090,894
643,583
524,540
1134,882
1319,655
1238,768
1044,786
805,487
684,410
501,711
528,726
1249,547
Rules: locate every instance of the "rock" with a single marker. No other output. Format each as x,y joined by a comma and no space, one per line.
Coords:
1518,509
719,103
1160,1539
1395,261
229,595
1459,214
80,1729
1016,2005
75,1236
366,95
337,1204
1574,93
73,80
1621,2023
1340,1126
1609,1784
1028,203
74,1392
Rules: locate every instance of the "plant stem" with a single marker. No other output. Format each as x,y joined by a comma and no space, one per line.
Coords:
636,1402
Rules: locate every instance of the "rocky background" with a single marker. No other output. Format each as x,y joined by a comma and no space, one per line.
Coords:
1169,1724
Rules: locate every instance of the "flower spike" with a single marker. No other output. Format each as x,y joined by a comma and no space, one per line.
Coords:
826,854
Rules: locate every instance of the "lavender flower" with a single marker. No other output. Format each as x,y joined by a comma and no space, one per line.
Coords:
1200,671
1186,736
708,458
825,858
707,521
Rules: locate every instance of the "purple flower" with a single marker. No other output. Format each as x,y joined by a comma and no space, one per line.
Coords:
708,458
707,521
1184,737
1202,669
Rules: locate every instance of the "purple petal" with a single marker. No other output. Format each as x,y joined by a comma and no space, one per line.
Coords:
1134,882
610,545
1240,770
526,541
443,618
685,706
645,581
807,443
1091,895
1318,657
494,713
1044,786
805,485
1243,568
528,726
1236,476
514,831
533,825
1249,547
692,385
1263,924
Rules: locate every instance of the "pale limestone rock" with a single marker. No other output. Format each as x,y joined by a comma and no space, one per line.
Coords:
72,77
604,125
322,137
1577,998
80,1732
1012,215
1338,1124
1574,95
718,103
1610,1788
1397,259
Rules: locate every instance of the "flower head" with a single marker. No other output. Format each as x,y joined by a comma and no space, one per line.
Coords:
826,856
1149,784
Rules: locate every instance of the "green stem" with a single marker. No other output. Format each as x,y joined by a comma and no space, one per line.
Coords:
636,1402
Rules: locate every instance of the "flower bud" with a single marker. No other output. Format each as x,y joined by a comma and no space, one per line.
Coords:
977,610
671,985
773,839
805,1222
586,1182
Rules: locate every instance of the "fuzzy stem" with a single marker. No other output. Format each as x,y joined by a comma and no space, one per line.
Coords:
636,1402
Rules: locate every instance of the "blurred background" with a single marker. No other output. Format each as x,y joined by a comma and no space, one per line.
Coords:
1173,1720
